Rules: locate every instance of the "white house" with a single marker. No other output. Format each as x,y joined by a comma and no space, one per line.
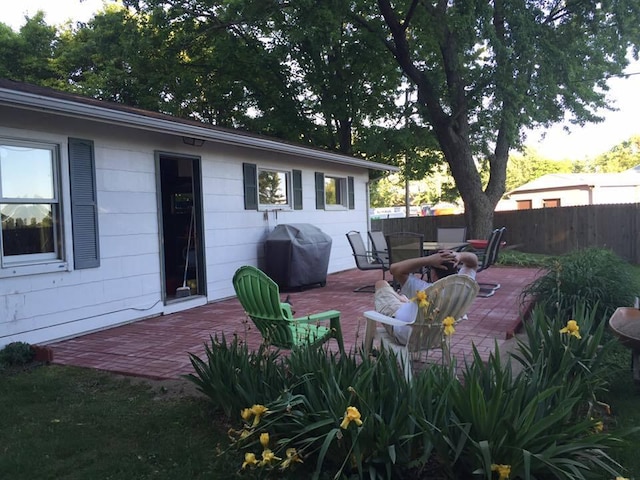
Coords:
574,189
104,207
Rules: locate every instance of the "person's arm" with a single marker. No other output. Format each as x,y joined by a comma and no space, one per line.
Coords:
468,259
401,270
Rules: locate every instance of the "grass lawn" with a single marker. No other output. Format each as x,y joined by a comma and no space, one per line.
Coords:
624,398
71,423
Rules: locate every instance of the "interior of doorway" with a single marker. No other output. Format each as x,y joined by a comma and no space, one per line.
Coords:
181,227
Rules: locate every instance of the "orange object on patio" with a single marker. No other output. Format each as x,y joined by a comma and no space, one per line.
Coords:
479,244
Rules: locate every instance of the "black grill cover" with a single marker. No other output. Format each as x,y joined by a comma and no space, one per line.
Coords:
297,255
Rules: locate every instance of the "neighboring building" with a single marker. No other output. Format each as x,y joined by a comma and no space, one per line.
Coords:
104,207
574,189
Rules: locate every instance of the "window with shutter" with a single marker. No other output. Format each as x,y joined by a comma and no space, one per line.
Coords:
31,229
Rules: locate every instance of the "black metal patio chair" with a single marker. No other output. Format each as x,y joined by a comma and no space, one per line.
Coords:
365,259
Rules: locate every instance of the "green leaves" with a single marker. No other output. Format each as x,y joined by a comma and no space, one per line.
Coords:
539,419
594,277
235,378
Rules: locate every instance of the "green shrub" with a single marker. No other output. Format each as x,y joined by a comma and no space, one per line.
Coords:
528,426
595,276
521,259
16,353
233,377
356,416
568,360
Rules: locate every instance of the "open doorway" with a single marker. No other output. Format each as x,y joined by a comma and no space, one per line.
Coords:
181,244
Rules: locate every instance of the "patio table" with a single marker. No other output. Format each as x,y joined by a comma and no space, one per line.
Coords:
433,247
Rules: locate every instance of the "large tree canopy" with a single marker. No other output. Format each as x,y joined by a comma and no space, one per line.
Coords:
481,71
485,70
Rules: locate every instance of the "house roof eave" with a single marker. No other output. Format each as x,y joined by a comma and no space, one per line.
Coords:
70,107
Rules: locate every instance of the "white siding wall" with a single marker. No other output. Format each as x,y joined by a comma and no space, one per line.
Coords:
598,195
127,285
616,194
568,198
235,236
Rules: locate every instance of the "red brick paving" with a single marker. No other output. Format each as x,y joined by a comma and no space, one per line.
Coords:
158,347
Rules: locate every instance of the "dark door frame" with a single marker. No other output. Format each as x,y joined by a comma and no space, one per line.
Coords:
167,208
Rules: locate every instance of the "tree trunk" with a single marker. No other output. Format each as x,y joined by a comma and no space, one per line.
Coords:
450,120
478,216
478,204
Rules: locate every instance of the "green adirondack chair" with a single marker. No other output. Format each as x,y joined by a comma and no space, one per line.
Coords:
260,298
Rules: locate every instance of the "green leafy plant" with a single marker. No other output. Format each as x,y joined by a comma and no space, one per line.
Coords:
529,425
568,357
309,416
595,276
356,416
522,259
16,353
233,377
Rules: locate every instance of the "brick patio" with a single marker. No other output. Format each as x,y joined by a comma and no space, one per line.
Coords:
158,347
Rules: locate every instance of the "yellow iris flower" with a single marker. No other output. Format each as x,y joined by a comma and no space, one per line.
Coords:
257,411
264,440
292,456
503,470
572,328
351,415
267,457
249,459
448,323
421,299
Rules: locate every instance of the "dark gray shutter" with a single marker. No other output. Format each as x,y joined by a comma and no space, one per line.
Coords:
297,189
352,194
319,191
250,181
84,204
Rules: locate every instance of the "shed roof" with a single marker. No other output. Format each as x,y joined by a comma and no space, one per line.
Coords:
564,181
42,99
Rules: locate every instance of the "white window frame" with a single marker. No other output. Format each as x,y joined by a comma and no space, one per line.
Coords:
342,193
38,262
288,191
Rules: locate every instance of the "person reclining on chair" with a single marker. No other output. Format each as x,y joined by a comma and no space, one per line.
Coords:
393,304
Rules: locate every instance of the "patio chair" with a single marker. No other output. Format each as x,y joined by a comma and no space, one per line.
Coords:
365,259
379,245
451,234
449,296
487,258
259,296
403,246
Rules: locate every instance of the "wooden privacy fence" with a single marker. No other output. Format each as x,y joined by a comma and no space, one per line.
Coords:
552,231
